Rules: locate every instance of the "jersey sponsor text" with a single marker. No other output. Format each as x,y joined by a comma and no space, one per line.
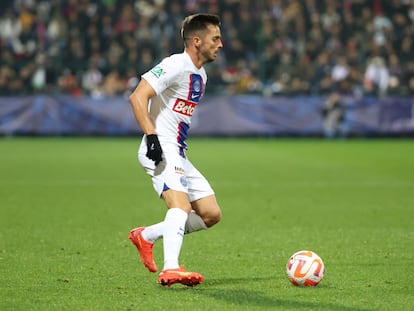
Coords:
184,107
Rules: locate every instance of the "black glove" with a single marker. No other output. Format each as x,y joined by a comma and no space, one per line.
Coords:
154,151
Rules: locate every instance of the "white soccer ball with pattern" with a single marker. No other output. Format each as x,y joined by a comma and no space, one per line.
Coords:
305,268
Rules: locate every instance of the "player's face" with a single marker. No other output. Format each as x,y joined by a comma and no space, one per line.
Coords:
211,43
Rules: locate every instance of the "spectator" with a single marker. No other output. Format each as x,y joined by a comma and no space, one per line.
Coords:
396,72
10,27
339,74
376,77
92,79
382,29
411,86
113,83
322,82
68,84
333,114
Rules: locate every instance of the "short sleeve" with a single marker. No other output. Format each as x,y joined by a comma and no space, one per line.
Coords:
161,76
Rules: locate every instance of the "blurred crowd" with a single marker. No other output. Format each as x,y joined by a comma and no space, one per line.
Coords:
289,47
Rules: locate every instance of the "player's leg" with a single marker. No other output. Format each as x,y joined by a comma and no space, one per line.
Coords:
205,209
144,237
194,223
204,213
203,202
172,231
174,224
171,185
144,248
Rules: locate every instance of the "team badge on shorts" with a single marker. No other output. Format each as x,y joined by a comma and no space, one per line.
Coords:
183,181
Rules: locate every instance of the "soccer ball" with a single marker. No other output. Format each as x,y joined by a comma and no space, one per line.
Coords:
305,268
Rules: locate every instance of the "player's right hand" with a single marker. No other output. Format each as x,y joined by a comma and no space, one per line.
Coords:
154,150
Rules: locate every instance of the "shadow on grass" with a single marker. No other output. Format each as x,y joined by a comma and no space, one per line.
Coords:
258,299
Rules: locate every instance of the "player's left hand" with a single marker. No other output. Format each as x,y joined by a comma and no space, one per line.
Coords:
154,150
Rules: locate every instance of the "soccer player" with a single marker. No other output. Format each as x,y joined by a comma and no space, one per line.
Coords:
163,104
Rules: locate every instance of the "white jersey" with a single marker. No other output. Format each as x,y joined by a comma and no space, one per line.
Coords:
179,86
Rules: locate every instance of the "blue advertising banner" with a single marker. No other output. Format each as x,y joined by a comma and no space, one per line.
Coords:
239,115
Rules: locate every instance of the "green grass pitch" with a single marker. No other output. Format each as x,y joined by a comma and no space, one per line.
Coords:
67,205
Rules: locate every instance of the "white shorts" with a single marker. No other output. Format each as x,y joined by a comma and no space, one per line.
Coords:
174,172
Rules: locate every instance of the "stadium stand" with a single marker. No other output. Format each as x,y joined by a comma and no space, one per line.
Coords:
287,47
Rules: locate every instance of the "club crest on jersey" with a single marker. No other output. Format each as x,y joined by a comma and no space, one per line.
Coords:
184,107
196,88
157,71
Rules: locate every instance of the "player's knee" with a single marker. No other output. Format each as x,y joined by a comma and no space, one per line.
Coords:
212,218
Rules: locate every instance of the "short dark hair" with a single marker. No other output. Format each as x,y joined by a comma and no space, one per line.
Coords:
197,22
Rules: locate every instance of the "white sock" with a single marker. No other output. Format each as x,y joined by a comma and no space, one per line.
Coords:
173,236
154,232
194,223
